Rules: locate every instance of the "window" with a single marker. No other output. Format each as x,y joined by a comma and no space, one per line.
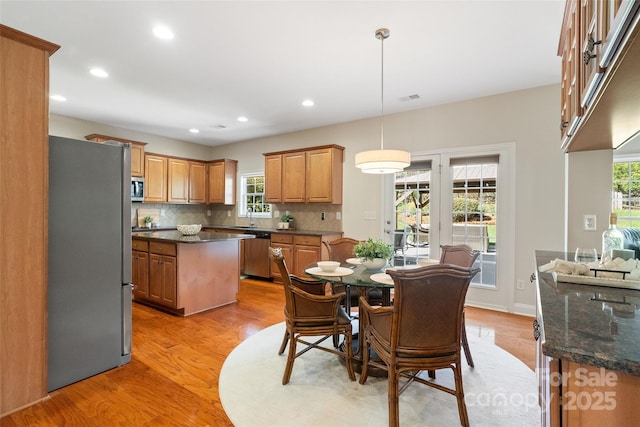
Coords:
252,196
625,195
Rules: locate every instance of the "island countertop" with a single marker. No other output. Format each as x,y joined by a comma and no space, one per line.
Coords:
593,325
201,237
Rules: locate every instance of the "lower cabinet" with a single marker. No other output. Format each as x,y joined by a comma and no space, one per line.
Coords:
140,274
155,272
163,279
299,250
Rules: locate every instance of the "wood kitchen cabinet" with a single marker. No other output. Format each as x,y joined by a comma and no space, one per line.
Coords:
140,268
299,250
177,181
285,243
222,181
163,274
24,172
600,50
306,250
293,177
327,163
197,182
311,175
273,178
155,177
137,151
569,49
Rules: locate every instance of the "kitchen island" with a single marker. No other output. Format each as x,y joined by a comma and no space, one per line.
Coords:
185,275
588,351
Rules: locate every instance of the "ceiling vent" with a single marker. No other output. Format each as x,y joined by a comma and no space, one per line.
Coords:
218,126
410,98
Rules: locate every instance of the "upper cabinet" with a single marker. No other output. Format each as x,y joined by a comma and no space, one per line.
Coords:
175,180
600,83
137,151
311,175
155,177
197,182
222,181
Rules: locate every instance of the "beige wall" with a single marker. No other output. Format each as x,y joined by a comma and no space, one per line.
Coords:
73,128
589,183
526,118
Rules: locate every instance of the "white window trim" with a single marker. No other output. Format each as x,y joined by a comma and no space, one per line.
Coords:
242,209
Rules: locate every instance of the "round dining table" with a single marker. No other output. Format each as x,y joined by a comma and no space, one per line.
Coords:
354,275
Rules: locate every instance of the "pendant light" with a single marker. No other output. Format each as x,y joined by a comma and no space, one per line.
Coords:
382,161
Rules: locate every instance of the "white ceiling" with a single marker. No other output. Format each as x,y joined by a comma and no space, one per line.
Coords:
260,59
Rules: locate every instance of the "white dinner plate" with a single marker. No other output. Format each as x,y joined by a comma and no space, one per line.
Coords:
383,278
340,271
354,261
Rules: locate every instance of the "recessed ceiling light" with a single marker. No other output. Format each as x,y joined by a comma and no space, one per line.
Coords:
58,98
194,130
163,32
99,72
308,103
243,119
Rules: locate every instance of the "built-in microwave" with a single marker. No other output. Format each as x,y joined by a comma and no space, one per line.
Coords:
137,189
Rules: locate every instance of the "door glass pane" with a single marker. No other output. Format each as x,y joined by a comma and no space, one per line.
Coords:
412,190
473,212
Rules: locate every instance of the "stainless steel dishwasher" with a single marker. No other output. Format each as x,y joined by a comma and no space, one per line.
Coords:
256,254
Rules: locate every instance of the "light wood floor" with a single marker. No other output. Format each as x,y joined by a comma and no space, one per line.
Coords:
173,375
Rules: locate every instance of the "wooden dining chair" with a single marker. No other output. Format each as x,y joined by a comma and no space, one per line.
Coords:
463,256
421,331
311,313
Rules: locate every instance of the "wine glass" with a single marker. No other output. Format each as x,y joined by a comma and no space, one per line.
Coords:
586,255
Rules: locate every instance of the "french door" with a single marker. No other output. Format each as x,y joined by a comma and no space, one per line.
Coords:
457,197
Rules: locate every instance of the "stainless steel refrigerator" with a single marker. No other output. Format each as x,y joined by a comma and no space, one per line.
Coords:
89,293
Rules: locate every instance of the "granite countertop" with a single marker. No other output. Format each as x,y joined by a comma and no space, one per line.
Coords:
593,325
275,230
201,237
245,228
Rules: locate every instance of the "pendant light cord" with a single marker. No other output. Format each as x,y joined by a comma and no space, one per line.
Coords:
382,37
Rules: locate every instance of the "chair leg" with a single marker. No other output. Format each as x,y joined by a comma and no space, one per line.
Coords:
290,359
462,407
349,355
394,409
285,339
465,343
364,373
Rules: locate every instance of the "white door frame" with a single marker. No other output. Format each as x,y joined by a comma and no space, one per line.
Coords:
500,298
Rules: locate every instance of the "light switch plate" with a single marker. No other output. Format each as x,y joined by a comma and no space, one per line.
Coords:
589,223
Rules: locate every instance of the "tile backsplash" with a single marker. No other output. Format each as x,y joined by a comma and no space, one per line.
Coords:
306,216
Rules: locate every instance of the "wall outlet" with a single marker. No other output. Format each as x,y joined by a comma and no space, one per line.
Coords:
228,213
209,212
162,212
338,216
520,284
589,223
322,216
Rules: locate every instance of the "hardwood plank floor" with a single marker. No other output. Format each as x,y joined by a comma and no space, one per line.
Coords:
173,375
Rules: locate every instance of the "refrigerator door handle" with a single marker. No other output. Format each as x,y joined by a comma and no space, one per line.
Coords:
127,297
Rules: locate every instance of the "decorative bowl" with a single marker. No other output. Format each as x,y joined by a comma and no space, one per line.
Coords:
328,266
374,264
189,229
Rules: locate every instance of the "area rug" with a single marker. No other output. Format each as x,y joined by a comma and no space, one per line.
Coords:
499,391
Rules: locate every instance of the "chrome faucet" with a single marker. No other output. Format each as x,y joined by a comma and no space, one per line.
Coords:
251,223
